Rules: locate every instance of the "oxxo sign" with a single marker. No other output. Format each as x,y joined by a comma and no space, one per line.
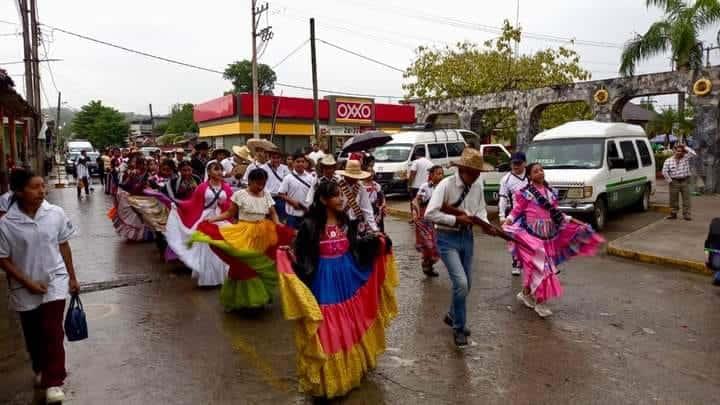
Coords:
352,111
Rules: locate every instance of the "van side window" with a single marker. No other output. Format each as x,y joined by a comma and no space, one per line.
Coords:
629,155
419,149
612,150
455,149
437,151
645,157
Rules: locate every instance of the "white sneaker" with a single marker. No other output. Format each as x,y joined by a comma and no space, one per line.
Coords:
526,299
543,310
515,271
38,380
54,395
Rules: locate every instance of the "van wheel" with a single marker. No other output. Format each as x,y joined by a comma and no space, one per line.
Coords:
599,216
644,204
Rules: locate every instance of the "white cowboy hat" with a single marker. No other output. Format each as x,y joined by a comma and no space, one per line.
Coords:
243,152
327,160
353,169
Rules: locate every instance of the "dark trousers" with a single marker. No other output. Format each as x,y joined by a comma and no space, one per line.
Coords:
680,188
293,221
83,182
44,337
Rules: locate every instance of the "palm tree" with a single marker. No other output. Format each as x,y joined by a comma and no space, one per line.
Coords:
677,32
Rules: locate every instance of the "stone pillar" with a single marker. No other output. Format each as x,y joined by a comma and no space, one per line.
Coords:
524,129
707,142
601,112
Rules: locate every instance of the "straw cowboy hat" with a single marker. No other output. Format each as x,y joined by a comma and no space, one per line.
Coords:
353,169
471,159
243,152
261,144
327,160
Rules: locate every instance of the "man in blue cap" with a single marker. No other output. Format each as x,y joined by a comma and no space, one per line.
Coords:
510,184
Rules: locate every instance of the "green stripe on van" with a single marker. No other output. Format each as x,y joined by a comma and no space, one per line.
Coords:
626,182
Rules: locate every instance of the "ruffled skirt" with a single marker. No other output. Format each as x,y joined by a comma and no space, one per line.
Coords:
207,267
340,320
249,250
127,222
540,257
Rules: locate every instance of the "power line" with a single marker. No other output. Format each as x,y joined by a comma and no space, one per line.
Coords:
52,76
9,22
164,59
193,66
361,56
15,62
294,51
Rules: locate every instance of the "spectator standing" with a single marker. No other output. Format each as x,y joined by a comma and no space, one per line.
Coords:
294,189
419,172
199,159
677,172
316,154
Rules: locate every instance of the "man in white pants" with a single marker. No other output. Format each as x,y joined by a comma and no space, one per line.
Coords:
510,184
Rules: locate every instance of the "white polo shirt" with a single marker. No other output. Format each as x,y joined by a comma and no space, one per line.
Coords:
33,246
5,201
273,182
421,167
296,190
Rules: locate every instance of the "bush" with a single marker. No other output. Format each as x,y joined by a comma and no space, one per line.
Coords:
660,158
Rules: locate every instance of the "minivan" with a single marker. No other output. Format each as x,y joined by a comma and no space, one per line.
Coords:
393,159
596,167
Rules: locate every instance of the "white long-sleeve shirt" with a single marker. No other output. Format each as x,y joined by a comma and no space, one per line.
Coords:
509,185
448,192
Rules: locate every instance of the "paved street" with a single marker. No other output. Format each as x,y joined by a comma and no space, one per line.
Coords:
624,333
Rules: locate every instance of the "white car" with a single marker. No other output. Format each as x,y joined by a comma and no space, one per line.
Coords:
596,167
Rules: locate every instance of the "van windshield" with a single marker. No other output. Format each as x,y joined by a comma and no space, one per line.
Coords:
392,153
568,153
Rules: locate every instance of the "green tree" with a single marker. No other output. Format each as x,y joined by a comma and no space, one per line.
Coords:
240,74
102,125
670,121
679,32
181,120
468,69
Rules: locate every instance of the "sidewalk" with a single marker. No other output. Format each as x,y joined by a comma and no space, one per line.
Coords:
677,243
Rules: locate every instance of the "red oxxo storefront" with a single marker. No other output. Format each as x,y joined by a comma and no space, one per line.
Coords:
227,121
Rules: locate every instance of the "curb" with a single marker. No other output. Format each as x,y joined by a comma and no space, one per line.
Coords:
665,209
644,257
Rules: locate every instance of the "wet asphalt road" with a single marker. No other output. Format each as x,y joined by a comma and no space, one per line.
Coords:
624,333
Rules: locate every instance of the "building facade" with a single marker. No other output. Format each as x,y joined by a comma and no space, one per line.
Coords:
228,120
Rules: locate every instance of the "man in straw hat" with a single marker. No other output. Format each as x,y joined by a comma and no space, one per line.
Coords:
461,194
267,157
355,199
325,172
241,160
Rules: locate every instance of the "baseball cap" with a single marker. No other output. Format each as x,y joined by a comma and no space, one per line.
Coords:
517,157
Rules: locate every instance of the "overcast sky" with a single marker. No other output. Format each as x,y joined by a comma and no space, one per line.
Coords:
214,33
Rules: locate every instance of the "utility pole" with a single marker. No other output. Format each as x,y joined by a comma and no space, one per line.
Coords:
517,25
59,182
29,76
152,124
265,32
316,102
34,142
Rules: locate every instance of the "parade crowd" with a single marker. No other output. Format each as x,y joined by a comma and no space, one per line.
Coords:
293,230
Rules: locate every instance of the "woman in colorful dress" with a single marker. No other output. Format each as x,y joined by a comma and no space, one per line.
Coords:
248,245
128,223
342,300
209,199
549,238
182,186
425,236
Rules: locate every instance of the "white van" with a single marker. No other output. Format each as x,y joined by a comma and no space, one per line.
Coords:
79,145
596,167
393,159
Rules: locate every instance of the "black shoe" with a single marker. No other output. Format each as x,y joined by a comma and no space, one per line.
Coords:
449,322
687,218
460,338
671,216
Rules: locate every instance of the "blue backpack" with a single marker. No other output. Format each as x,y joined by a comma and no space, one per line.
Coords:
75,323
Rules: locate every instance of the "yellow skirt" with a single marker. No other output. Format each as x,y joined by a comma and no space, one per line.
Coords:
252,236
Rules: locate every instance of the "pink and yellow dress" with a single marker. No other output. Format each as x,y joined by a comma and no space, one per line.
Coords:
551,244
341,314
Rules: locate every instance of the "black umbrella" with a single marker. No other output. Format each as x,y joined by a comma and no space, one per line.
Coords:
365,141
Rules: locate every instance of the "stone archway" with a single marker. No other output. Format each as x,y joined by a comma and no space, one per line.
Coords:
528,104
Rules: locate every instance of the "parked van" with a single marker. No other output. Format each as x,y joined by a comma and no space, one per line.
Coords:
393,159
79,145
596,167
